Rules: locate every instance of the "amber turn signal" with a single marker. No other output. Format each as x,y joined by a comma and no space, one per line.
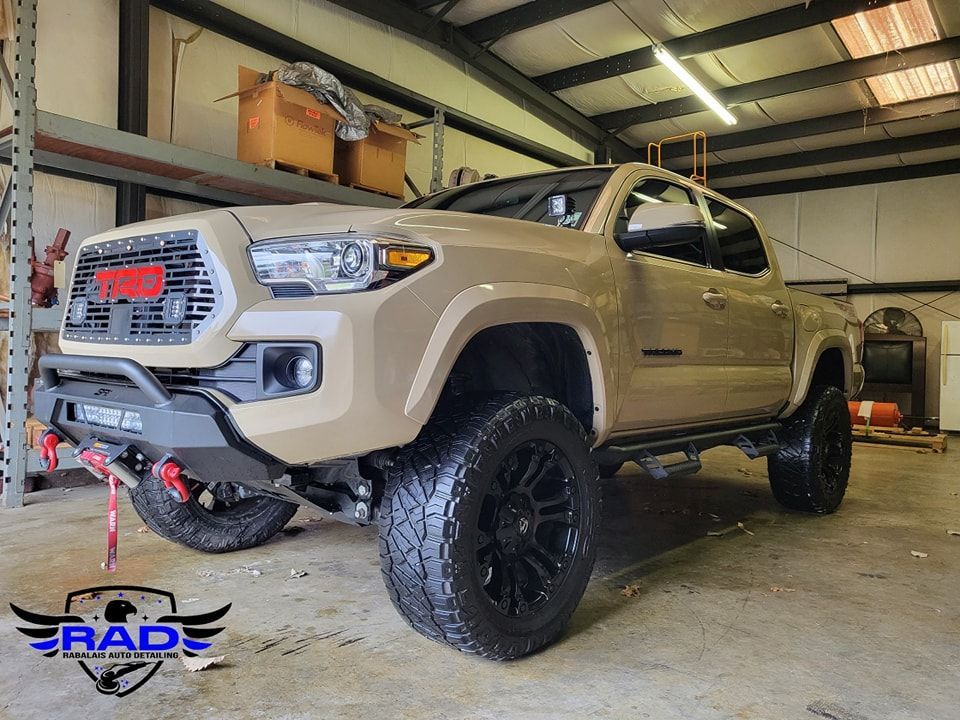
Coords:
407,258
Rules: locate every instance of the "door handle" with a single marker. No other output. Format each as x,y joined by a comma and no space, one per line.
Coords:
715,299
780,309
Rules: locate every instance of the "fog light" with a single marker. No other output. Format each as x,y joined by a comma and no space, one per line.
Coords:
300,371
78,310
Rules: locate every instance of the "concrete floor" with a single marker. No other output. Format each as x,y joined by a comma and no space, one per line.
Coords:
859,630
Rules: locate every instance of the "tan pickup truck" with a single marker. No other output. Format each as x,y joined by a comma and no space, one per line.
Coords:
456,370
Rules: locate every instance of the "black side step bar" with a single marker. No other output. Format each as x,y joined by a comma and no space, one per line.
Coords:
753,440
658,471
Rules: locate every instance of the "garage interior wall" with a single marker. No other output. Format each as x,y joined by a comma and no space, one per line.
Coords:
208,70
886,232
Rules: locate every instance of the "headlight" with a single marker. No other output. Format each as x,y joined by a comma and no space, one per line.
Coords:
336,263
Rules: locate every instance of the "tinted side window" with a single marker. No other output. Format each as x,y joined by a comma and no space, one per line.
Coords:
740,245
655,190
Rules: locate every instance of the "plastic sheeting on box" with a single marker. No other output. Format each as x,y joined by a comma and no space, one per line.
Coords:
327,89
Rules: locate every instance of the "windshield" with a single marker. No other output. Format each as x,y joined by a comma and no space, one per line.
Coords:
561,199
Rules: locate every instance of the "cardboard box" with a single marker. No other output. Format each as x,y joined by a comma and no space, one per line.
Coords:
377,162
278,123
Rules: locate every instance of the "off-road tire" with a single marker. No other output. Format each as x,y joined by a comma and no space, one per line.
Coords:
811,470
429,525
608,470
249,523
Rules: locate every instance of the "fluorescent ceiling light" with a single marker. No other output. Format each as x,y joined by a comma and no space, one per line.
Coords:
888,29
664,56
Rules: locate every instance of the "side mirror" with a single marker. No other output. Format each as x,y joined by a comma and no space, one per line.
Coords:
658,225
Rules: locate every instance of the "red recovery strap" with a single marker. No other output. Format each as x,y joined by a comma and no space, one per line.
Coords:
114,481
96,463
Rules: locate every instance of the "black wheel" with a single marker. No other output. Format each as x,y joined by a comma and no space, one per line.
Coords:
811,470
488,523
608,470
218,517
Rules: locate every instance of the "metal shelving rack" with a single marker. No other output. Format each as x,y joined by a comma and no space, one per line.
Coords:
21,90
134,163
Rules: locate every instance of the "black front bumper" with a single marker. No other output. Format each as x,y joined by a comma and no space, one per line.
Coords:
188,425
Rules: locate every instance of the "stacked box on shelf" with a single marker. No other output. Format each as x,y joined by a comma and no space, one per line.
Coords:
281,124
378,162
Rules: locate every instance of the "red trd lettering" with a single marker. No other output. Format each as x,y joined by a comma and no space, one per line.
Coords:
145,281
151,281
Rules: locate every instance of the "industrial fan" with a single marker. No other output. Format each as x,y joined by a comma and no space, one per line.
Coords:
892,321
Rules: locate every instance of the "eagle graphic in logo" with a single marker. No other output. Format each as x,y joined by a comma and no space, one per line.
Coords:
120,634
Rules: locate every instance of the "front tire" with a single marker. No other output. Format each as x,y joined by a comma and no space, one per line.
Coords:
608,470
209,521
811,470
488,526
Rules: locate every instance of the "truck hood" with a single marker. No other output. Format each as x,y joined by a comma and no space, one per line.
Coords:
264,222
441,226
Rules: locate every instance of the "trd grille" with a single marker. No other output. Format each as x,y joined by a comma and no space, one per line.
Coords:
186,304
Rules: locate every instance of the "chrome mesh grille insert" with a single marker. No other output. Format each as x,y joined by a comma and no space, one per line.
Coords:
130,308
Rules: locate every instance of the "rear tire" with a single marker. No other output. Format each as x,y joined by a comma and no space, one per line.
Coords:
221,528
811,470
488,526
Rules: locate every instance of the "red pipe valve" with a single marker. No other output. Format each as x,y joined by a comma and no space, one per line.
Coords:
171,475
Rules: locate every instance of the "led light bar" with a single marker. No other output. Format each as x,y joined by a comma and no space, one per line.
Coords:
888,29
664,56
108,417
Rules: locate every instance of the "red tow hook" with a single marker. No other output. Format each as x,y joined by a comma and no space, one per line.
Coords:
48,450
170,473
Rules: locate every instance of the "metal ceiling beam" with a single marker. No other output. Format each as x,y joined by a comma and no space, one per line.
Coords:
824,76
421,5
539,102
528,15
824,156
778,22
820,125
825,182
235,26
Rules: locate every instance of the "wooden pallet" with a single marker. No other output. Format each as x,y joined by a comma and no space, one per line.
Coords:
35,429
302,171
898,437
367,188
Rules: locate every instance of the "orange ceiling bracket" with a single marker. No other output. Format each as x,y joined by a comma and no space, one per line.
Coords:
699,139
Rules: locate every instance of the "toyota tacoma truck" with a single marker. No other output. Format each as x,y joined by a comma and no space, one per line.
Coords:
458,371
